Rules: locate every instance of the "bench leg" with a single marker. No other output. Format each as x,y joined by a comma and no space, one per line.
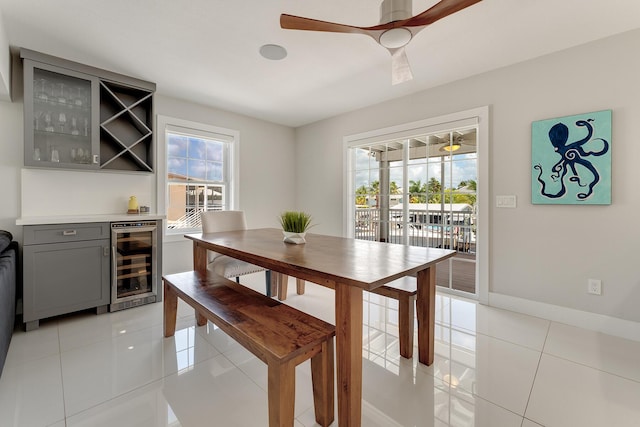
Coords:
200,319
170,310
300,286
322,378
406,325
281,394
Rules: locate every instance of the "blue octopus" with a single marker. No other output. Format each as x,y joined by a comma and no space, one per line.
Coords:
571,155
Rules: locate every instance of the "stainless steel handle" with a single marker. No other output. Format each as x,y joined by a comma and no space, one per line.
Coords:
69,233
114,278
113,261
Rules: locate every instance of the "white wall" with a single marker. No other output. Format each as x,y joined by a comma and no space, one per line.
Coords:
5,64
11,159
542,253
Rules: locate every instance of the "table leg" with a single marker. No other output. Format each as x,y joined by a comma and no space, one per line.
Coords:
283,283
170,311
199,258
426,314
349,354
200,265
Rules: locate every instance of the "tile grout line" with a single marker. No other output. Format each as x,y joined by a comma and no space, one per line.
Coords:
112,398
64,403
586,365
535,376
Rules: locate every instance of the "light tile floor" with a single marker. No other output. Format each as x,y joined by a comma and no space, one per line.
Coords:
493,368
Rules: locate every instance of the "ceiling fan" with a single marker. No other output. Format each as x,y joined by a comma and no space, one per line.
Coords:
396,29
450,142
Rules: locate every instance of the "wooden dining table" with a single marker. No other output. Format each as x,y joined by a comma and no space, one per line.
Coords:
348,266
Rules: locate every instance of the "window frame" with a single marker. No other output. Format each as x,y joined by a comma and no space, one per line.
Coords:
165,125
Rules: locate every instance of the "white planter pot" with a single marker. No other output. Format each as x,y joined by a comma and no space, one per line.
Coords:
295,238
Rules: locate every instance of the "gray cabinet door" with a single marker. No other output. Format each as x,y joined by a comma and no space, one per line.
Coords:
61,278
61,115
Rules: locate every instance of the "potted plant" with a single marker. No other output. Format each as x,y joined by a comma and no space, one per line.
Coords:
294,226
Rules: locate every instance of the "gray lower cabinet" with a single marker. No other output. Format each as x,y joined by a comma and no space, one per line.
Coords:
65,269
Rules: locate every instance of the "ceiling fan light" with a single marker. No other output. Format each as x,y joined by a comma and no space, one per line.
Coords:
450,148
395,38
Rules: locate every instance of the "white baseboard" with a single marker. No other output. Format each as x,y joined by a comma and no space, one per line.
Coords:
596,322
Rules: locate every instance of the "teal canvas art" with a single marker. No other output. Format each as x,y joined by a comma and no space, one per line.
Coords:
571,160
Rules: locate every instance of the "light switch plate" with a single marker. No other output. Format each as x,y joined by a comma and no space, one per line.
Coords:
505,201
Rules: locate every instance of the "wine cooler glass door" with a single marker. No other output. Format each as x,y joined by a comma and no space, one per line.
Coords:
134,262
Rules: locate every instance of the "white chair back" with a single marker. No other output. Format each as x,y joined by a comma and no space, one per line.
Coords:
214,221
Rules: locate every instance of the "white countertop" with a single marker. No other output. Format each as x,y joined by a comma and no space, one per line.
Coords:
70,219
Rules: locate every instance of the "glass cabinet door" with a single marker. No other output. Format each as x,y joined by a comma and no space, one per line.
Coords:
59,118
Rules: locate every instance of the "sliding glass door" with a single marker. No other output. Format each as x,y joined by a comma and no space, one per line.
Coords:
419,190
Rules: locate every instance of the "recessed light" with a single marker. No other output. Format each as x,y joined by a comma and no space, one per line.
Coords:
273,52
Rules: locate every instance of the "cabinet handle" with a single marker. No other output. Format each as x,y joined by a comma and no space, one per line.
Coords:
69,233
114,273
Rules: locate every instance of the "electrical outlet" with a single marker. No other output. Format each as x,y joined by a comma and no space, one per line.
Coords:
594,286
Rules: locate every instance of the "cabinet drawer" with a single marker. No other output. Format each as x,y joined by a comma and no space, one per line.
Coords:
60,233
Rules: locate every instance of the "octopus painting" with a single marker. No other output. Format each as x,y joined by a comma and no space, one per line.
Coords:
572,160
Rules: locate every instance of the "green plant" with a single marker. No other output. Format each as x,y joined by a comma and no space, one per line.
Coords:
295,222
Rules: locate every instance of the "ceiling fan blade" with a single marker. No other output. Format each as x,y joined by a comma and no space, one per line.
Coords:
400,69
438,11
291,22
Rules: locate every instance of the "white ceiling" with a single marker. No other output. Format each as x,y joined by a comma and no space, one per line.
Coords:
206,51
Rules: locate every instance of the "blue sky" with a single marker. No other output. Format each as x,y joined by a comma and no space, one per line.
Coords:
196,158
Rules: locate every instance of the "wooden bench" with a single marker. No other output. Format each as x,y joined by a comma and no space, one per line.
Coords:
404,290
279,335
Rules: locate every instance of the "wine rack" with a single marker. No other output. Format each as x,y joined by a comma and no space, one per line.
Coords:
126,135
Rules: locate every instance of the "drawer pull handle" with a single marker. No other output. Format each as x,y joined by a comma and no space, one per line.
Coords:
69,233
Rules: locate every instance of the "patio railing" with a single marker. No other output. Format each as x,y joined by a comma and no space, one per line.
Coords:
454,230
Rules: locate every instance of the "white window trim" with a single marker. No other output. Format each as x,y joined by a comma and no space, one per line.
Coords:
479,116
166,123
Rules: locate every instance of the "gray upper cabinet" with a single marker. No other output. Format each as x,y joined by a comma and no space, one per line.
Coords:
80,117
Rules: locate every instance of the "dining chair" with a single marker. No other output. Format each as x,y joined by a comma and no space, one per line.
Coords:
215,221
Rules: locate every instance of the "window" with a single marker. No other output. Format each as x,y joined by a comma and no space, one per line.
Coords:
200,172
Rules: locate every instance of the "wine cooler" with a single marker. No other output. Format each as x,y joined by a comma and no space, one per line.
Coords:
135,273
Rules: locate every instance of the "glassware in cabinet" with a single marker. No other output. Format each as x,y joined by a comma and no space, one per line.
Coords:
59,111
